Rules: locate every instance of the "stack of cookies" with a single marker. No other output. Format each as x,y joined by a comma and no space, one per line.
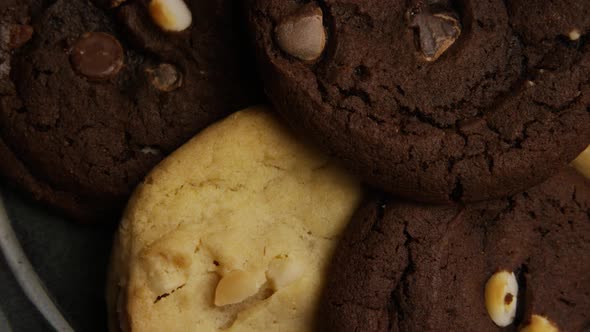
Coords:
420,165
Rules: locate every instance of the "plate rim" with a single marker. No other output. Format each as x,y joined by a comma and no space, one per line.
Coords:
25,274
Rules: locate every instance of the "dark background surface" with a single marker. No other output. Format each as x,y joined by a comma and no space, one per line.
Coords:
72,261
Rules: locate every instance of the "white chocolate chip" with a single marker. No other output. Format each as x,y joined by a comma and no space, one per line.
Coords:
530,83
539,324
171,15
582,163
501,295
302,35
236,286
283,271
575,34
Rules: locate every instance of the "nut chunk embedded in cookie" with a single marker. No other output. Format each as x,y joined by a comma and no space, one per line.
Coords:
501,297
582,163
302,34
539,324
171,15
437,27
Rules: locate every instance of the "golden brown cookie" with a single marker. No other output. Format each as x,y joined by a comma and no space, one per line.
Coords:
232,232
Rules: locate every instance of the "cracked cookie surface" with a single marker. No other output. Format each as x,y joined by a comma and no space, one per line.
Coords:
497,105
79,136
232,232
412,267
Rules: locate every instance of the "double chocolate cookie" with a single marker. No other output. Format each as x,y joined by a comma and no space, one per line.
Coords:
94,94
504,263
433,100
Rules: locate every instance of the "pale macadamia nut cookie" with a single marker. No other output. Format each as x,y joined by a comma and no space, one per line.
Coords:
232,232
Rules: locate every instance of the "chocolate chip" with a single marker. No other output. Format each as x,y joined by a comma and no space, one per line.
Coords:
19,35
165,77
97,56
437,26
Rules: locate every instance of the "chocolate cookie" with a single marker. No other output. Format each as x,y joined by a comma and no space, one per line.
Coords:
94,94
411,267
433,100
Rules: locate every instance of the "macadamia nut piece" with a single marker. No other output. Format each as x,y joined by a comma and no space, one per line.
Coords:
582,163
501,297
236,286
171,15
302,35
283,271
539,324
575,34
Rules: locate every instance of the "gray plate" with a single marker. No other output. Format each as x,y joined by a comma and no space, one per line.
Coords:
70,261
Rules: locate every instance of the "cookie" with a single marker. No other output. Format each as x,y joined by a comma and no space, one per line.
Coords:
435,101
231,232
94,94
411,267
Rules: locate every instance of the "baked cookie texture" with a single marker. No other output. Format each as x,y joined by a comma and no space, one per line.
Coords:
411,267
232,232
80,128
435,101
